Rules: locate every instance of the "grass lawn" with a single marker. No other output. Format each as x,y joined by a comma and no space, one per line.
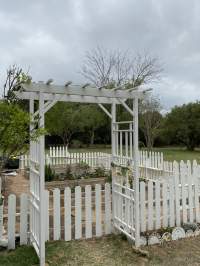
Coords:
112,250
170,153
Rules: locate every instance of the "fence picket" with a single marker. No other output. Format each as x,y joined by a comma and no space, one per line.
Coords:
78,213
165,204
157,207
171,202
11,221
183,190
67,219
190,192
142,207
56,214
150,205
23,219
88,212
107,209
177,192
98,210
47,215
196,191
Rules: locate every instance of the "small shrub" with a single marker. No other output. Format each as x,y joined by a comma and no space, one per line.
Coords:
49,173
69,174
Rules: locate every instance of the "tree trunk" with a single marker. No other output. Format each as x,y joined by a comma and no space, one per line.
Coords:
92,138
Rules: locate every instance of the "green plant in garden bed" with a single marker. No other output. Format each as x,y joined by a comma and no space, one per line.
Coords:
49,173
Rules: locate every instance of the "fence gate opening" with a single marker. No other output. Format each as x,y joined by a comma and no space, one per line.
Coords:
125,175
124,152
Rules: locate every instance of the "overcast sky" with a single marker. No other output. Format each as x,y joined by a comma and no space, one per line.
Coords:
50,37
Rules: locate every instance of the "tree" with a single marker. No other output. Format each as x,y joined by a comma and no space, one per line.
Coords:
63,120
15,77
14,131
104,67
182,125
92,119
150,119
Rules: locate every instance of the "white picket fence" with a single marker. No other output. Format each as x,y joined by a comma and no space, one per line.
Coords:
83,214
61,156
171,202
93,159
86,212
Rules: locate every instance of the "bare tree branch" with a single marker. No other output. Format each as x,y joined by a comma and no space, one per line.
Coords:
103,67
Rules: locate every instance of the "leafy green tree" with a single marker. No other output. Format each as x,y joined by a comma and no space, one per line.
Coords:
182,125
14,131
64,120
92,119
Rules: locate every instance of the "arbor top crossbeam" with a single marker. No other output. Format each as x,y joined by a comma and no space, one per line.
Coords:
77,93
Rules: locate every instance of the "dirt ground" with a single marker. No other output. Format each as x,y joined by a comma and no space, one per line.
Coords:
113,250
16,184
107,251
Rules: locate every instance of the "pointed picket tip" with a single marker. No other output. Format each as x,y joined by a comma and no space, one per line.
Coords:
195,163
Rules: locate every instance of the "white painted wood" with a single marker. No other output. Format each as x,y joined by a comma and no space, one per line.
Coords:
88,212
183,171
171,203
11,221
150,205
79,91
23,219
196,190
67,219
165,204
190,191
107,209
157,200
142,207
47,215
78,213
98,210
56,214
177,193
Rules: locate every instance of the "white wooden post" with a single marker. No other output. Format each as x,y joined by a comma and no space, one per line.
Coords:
42,191
136,172
113,140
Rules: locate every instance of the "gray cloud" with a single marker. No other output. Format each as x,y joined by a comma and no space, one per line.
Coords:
52,36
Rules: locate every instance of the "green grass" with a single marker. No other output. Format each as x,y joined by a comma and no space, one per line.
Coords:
170,153
108,251
178,154
22,256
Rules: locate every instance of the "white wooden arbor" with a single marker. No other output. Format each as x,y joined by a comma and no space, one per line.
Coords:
48,95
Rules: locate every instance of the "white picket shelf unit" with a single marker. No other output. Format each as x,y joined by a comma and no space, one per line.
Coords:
48,95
